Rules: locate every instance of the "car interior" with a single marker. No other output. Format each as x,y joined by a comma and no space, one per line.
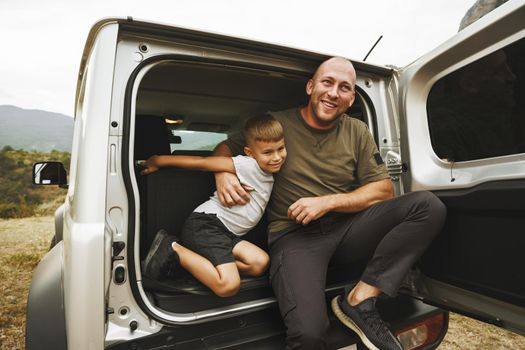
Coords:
188,108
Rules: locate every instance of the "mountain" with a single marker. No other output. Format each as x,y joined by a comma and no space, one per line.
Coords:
35,129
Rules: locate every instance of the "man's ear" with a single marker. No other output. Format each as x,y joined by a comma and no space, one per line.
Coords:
352,100
309,87
248,151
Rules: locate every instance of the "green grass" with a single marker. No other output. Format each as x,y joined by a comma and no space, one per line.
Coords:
22,260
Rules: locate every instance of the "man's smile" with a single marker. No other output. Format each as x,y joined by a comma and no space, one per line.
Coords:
328,104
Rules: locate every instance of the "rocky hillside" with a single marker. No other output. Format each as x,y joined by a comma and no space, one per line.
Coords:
478,10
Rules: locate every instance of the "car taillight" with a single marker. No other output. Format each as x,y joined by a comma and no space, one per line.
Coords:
421,334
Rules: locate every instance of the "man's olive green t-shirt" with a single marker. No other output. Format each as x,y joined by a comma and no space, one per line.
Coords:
319,162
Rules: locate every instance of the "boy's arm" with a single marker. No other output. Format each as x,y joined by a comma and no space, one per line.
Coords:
213,163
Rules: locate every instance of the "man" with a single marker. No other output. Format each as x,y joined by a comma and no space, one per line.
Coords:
314,215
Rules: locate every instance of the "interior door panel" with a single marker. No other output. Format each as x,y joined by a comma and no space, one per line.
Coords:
481,246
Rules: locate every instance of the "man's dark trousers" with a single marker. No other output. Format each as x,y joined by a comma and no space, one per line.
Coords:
391,235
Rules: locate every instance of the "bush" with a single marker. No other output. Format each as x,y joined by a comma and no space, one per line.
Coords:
18,196
8,210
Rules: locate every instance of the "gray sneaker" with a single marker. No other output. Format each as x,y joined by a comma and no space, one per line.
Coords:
162,261
365,321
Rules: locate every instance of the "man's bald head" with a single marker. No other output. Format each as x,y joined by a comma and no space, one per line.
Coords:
340,63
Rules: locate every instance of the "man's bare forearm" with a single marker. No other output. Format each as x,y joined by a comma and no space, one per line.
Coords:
306,209
361,198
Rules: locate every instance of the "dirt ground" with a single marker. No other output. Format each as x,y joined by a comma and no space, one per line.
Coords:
24,241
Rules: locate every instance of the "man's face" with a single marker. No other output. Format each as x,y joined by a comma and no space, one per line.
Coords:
331,91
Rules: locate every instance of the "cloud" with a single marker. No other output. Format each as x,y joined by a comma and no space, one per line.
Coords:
42,51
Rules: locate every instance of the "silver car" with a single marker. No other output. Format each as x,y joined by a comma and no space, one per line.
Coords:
452,122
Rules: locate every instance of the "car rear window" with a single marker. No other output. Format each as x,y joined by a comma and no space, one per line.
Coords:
478,111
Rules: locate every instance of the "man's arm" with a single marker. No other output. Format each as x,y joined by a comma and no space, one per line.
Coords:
222,150
213,163
307,209
229,189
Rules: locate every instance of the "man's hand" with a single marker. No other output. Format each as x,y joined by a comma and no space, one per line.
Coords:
307,209
230,191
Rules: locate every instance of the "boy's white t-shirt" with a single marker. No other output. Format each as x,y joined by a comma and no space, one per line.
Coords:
240,219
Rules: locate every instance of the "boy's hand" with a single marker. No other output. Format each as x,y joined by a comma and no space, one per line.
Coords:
230,191
149,166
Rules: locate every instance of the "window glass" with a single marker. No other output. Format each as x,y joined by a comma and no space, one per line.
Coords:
187,140
478,111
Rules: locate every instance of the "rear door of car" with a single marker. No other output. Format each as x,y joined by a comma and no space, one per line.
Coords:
463,129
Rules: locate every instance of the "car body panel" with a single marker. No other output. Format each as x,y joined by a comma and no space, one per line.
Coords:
87,258
480,272
46,301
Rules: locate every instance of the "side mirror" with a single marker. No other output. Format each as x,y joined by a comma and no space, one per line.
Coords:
49,173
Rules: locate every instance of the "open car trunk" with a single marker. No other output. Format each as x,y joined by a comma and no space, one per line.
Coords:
185,92
188,108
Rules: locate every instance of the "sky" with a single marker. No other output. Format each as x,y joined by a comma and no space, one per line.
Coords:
42,40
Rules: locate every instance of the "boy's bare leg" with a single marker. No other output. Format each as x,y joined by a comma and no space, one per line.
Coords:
250,259
223,280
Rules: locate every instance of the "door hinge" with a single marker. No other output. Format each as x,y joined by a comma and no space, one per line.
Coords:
394,165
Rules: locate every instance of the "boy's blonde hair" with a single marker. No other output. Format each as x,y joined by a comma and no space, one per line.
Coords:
263,127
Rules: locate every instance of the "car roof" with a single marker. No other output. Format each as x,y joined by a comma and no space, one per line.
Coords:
132,26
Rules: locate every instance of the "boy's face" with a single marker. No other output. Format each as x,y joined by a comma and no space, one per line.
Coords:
269,155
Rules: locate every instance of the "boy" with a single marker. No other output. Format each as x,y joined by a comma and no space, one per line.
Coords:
211,248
